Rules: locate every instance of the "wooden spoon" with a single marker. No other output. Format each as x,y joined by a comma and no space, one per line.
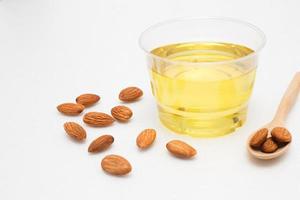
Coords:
287,102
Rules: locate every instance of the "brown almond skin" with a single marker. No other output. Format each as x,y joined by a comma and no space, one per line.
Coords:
269,146
121,113
130,94
101,143
87,99
75,130
70,108
116,165
181,149
146,138
259,138
98,119
281,134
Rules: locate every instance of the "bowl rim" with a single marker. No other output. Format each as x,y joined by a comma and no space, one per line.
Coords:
225,19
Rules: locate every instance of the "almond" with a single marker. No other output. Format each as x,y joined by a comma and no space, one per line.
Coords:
259,138
146,138
87,99
98,119
269,146
115,165
75,130
121,113
280,134
70,108
101,143
181,149
130,94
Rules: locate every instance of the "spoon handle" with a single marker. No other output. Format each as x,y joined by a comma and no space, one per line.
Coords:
287,101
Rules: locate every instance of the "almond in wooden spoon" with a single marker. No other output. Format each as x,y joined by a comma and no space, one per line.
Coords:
281,134
259,138
269,146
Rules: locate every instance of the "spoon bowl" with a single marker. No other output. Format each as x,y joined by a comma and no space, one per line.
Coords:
266,156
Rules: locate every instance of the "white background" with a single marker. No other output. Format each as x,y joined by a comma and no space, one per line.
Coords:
53,50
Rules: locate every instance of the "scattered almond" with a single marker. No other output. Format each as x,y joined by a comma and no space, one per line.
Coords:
130,94
98,119
75,130
101,143
115,165
269,146
181,149
87,99
281,134
146,138
259,138
121,113
70,108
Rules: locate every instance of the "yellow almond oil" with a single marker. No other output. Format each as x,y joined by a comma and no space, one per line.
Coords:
202,88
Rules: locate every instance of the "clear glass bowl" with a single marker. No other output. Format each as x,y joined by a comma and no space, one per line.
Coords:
202,72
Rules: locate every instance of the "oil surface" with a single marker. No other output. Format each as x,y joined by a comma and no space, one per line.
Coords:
202,100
